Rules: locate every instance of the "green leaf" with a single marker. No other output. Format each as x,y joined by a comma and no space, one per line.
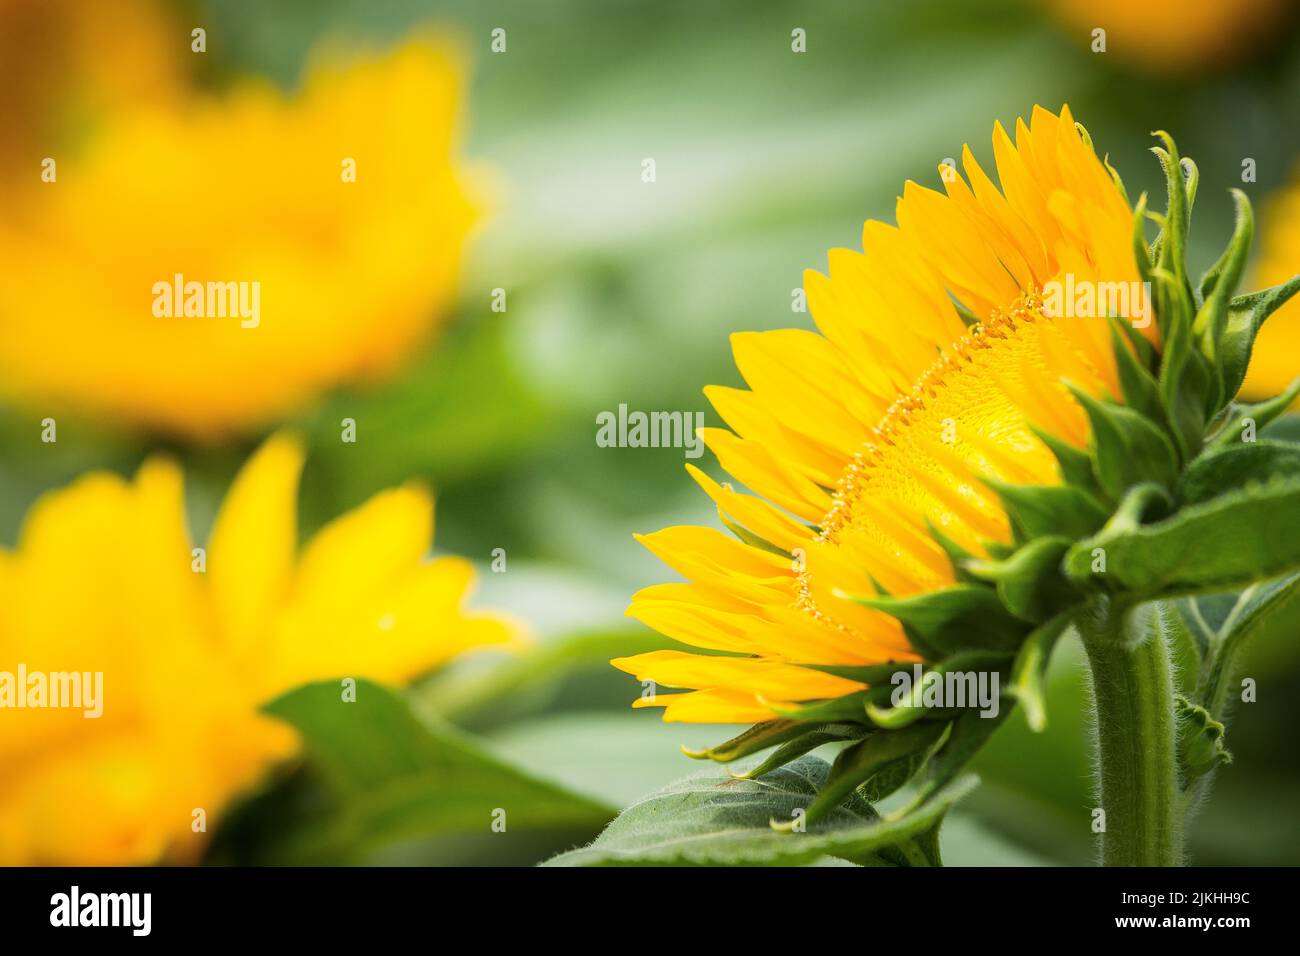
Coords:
1244,535
1231,466
378,773
547,675
712,819
1251,611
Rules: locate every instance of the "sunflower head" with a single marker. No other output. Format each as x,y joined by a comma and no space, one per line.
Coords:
238,255
1000,388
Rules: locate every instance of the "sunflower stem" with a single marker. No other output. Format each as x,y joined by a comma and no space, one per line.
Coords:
1136,735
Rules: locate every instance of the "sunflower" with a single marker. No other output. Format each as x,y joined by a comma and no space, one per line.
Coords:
1273,363
1016,419
337,213
190,644
899,416
1170,36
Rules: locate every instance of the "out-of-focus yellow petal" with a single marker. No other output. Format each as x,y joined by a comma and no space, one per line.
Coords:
251,550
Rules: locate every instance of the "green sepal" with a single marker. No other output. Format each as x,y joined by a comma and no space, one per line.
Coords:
1222,278
1186,377
1030,668
1140,388
751,539
1212,320
967,734
1141,502
816,736
1238,537
1127,447
756,738
1142,253
1177,221
956,554
1114,173
1246,314
845,708
869,674
1233,421
1074,464
913,708
880,763
1200,741
1232,466
1038,510
1031,583
944,622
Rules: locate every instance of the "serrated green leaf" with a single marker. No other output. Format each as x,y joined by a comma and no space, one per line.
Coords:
715,820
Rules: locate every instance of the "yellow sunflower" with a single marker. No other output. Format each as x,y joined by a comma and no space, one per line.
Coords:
1273,362
333,217
105,579
934,370
1172,36
59,73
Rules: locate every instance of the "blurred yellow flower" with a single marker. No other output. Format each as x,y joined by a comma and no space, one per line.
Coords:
1273,362
64,63
336,216
1172,36
855,438
104,580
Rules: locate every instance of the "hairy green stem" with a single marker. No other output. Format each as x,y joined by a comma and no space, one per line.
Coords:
1137,736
